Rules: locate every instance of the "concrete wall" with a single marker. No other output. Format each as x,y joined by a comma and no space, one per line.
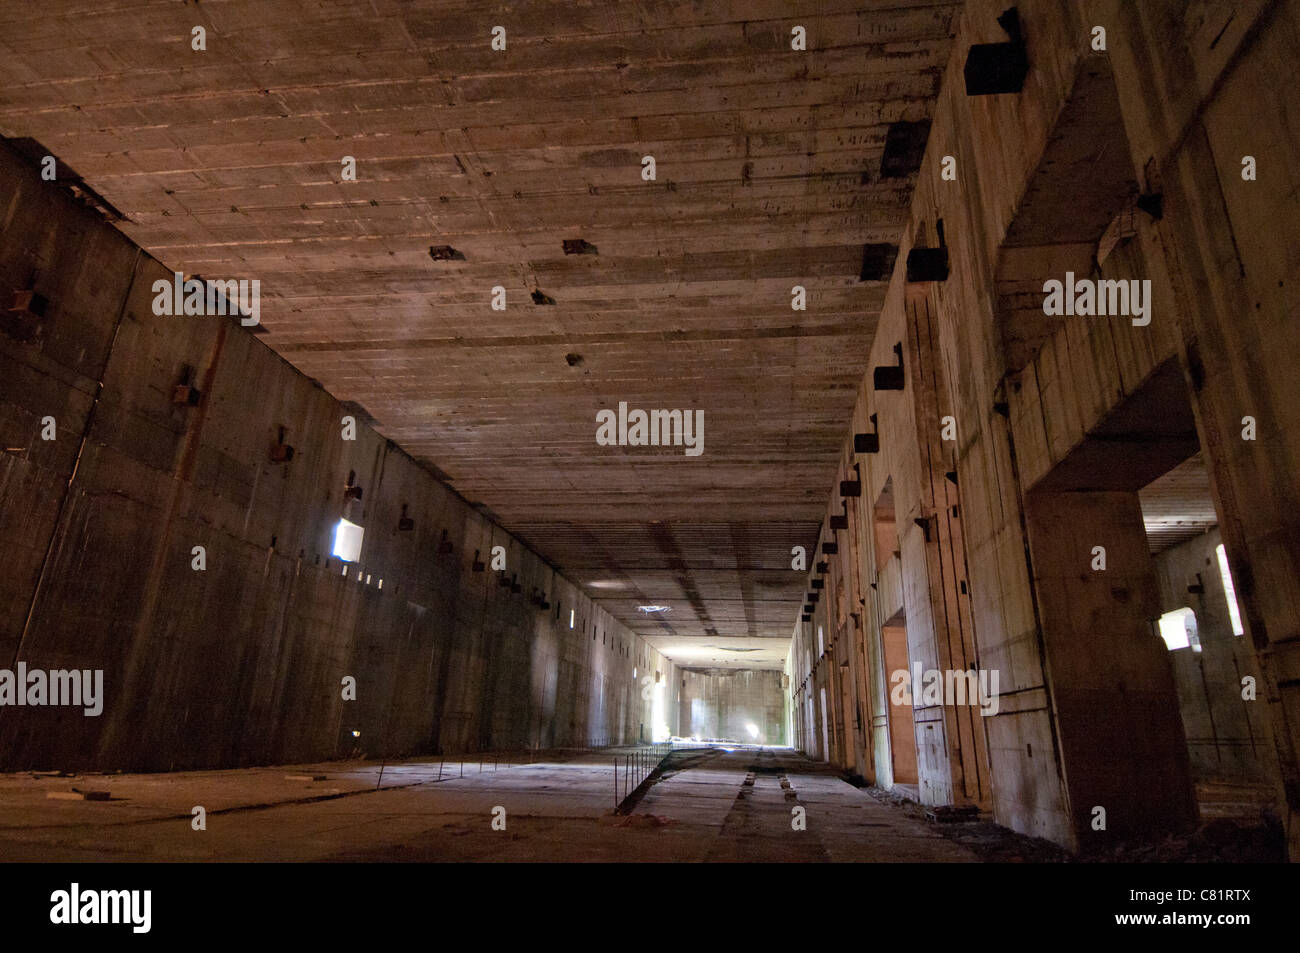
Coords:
242,663
1228,736
1047,181
722,704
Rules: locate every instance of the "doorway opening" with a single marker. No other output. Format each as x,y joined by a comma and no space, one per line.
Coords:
1124,756
1229,740
895,748
902,726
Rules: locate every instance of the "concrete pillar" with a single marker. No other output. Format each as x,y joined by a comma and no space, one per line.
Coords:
1111,684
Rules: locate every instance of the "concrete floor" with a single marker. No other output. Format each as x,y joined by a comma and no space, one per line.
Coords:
704,805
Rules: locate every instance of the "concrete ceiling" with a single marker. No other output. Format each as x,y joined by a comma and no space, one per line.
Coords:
1178,506
227,163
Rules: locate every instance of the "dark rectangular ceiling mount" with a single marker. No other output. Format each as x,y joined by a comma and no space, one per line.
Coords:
830,549
878,262
868,442
818,584
995,68
823,568
539,297
23,320
281,452
890,378
852,488
806,618
578,246
1153,203
813,597
840,522
30,303
445,253
904,149
185,394
927,264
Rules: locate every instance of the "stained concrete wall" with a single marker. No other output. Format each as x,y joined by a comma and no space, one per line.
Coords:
1046,181
242,663
1114,698
1228,736
1234,246
723,704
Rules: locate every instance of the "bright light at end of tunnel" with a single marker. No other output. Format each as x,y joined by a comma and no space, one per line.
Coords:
676,650
752,729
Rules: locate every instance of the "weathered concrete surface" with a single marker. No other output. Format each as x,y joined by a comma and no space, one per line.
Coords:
769,159
721,704
1229,738
242,662
1047,181
712,806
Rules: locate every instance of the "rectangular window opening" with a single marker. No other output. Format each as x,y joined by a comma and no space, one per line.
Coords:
1178,629
347,541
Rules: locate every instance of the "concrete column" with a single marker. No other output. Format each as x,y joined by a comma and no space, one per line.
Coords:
1112,686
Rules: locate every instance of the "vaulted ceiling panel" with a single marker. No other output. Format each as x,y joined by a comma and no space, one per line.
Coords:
227,163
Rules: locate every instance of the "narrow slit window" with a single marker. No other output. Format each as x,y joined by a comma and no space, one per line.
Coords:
1229,591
